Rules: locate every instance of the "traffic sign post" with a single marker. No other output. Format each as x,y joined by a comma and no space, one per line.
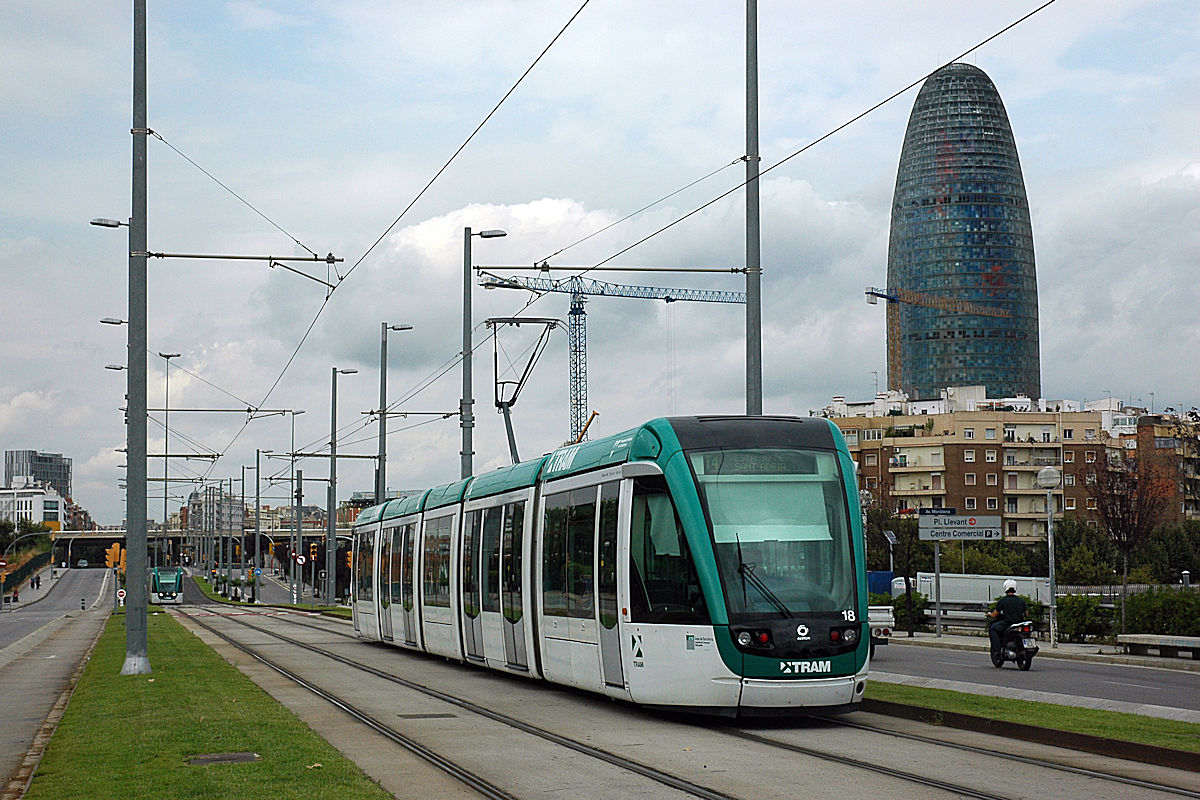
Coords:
947,526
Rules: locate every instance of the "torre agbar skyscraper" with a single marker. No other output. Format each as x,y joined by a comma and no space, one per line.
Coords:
962,289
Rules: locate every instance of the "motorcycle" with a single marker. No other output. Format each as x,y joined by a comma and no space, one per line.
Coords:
1016,644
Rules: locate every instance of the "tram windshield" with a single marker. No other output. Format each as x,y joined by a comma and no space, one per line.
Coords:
781,529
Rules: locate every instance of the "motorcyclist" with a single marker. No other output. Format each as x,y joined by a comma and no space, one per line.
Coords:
1009,609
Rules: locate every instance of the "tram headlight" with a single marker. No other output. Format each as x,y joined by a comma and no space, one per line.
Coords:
744,638
851,635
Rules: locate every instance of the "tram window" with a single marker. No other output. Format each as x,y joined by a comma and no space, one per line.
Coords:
396,566
366,565
437,562
489,577
569,536
606,579
664,586
514,522
406,586
554,555
470,560
581,544
780,526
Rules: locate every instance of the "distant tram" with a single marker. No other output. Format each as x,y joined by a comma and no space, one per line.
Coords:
709,564
166,585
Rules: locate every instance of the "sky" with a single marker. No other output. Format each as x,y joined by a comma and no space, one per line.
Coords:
321,122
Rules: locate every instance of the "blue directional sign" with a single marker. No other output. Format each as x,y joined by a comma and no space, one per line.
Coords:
257,572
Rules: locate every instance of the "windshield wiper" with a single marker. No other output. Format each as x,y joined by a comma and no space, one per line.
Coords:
748,577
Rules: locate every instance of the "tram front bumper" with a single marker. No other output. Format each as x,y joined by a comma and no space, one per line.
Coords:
815,692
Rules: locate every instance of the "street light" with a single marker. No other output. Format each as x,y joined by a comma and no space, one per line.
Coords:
1048,478
466,418
166,444
297,510
257,513
381,471
331,515
137,660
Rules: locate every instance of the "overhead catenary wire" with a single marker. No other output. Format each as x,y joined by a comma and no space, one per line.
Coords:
243,200
533,299
821,138
413,202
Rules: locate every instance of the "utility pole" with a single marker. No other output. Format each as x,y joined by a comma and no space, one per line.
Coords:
754,388
137,659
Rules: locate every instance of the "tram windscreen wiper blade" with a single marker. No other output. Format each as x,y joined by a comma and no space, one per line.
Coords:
748,576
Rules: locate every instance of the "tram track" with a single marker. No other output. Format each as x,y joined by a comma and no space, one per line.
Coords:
472,780
1135,782
841,759
891,771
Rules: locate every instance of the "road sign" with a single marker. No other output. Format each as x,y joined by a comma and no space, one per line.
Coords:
301,560
3,563
955,527
257,572
120,594
935,512
890,536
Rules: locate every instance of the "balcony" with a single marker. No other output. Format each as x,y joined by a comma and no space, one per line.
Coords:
916,491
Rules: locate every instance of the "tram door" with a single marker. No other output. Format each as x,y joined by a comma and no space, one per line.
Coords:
512,600
606,586
408,568
386,577
472,621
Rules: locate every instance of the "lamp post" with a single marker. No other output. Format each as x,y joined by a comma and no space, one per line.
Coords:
166,443
331,515
137,660
297,511
381,470
257,513
1048,478
466,418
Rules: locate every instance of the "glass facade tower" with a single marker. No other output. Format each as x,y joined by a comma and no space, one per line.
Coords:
963,291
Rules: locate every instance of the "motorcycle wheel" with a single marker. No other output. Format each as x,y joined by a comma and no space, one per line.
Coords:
1024,662
997,658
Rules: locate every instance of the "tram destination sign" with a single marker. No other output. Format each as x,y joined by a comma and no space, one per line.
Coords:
957,527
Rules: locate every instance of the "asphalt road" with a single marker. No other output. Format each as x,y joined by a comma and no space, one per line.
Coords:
1116,682
62,594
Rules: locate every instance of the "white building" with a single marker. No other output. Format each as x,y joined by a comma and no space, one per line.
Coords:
33,502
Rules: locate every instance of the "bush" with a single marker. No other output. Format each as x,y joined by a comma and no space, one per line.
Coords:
1163,610
877,599
899,606
1081,616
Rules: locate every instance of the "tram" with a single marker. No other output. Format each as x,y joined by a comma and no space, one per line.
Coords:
708,564
166,585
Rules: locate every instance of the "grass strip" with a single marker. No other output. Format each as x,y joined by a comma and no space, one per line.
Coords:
130,736
1118,725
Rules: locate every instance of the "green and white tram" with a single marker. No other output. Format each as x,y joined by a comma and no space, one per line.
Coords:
166,585
711,564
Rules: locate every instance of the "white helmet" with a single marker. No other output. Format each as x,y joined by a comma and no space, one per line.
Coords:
1010,584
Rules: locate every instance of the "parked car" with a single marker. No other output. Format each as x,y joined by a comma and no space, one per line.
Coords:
81,563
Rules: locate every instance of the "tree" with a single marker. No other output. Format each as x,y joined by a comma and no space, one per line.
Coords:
1132,496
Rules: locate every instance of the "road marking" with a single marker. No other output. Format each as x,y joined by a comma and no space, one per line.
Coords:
1135,685
960,663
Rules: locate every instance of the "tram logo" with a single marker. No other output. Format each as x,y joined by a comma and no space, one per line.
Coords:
562,459
805,667
802,633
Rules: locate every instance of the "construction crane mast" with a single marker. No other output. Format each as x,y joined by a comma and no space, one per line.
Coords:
580,288
894,296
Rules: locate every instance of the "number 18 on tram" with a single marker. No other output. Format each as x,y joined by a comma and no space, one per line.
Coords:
710,564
